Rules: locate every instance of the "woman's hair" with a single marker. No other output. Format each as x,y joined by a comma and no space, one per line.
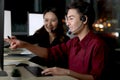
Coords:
59,30
83,8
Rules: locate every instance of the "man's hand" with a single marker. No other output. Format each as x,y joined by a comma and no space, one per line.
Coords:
56,71
15,43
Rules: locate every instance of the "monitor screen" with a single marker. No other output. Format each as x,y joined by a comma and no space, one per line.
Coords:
7,23
35,22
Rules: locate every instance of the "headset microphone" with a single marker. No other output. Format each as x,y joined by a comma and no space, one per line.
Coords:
52,30
69,32
76,30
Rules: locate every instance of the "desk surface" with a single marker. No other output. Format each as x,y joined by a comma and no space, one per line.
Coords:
26,75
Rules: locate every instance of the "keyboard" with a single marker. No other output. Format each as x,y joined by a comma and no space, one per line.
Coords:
6,45
36,71
19,55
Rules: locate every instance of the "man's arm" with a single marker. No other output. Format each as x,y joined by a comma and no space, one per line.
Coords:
61,71
40,51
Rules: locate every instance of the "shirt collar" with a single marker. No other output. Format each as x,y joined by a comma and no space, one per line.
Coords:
84,42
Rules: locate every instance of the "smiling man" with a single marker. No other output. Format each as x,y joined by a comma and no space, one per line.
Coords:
85,53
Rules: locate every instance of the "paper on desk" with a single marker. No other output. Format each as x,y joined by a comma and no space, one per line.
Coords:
25,51
13,62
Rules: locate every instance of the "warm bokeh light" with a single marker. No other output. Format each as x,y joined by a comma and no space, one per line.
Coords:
105,24
116,34
96,25
102,24
109,24
100,20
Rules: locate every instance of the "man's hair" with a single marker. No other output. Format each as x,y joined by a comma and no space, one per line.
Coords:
84,8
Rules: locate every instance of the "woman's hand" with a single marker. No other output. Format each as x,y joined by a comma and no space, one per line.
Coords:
56,71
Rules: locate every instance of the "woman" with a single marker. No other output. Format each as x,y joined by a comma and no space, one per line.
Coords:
51,34
84,53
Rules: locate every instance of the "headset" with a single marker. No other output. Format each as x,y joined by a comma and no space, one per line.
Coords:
83,18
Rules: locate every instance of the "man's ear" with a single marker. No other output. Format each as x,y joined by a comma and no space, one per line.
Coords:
86,19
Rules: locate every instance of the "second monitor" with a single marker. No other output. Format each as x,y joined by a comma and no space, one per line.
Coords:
7,23
35,21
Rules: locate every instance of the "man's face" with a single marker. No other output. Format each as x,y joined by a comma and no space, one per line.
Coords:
73,20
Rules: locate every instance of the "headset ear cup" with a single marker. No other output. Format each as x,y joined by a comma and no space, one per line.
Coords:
83,18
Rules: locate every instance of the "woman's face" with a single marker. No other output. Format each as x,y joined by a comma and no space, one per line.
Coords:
50,21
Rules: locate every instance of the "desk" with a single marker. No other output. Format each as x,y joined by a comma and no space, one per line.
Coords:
8,59
26,75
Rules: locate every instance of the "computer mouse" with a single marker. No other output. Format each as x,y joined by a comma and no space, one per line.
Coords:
22,64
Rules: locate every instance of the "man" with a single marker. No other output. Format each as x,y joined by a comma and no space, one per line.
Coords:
85,53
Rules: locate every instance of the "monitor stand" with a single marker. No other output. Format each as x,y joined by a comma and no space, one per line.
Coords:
3,73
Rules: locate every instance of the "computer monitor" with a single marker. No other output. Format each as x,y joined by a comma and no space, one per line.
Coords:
35,22
2,72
